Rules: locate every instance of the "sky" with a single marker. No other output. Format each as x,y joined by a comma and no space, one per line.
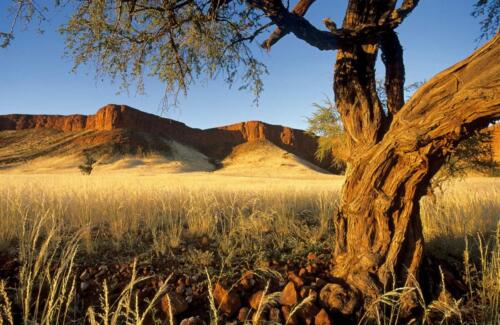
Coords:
35,77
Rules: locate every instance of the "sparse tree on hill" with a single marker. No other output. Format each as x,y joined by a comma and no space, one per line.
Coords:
392,154
88,164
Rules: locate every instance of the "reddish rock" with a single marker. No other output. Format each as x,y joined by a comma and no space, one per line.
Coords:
215,142
173,302
274,315
228,301
255,299
338,298
247,280
322,318
196,320
299,282
289,295
311,256
307,313
288,318
244,314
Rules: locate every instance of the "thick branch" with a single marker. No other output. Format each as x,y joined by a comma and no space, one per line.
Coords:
392,56
294,23
460,99
300,9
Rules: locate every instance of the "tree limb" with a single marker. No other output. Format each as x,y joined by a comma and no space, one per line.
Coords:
300,9
392,56
296,24
457,101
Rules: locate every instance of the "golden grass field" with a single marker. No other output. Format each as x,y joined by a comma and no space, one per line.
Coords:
247,220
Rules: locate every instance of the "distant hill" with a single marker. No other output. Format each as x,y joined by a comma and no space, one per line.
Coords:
121,137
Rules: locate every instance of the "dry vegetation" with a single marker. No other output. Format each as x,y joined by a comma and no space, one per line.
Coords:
57,223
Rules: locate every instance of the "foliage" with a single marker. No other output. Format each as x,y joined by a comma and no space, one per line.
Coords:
489,10
88,164
177,42
473,153
325,122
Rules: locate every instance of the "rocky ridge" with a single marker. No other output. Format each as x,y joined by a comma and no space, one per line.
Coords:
216,143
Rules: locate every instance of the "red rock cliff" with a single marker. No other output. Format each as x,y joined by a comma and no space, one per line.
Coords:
215,142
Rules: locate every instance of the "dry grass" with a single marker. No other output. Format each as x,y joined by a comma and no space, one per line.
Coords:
54,219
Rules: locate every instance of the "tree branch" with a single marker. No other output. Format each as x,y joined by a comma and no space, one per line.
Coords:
392,56
457,101
294,23
300,9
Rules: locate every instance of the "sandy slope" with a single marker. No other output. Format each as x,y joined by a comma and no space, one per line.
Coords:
52,151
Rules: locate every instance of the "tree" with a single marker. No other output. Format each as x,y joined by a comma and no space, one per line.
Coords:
88,164
325,123
392,154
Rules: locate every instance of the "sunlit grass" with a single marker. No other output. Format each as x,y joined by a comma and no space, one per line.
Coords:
53,219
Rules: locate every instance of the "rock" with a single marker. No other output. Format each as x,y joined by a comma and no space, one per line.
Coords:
247,280
84,285
205,241
173,301
339,298
307,312
228,301
296,279
311,256
244,314
196,320
289,319
274,315
322,318
320,283
255,299
311,268
289,295
259,319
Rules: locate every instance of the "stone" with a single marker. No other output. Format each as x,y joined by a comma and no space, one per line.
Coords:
84,286
288,319
338,298
244,314
274,315
320,283
255,299
180,288
299,282
307,313
173,302
247,280
227,301
322,318
205,241
195,320
289,295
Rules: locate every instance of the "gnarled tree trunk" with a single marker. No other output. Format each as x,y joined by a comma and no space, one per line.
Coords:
379,237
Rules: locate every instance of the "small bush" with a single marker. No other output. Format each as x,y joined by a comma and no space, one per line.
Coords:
88,164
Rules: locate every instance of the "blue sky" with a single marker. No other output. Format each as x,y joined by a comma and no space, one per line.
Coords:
35,78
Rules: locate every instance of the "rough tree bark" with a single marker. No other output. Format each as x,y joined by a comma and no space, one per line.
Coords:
379,233
394,153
